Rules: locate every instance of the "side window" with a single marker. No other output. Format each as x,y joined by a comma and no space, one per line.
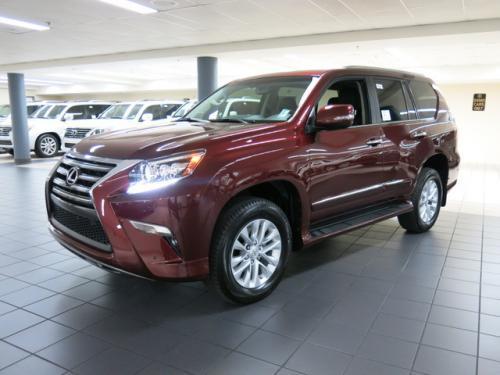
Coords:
97,109
391,100
425,99
79,112
351,92
155,110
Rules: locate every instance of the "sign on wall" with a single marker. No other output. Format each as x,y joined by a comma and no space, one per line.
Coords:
479,102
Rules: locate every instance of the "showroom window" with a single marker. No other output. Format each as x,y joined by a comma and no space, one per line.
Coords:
425,99
391,100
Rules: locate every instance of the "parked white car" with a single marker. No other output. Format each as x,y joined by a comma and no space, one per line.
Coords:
120,116
184,109
5,114
46,132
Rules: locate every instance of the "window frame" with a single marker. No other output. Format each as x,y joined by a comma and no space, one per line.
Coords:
377,113
368,99
417,113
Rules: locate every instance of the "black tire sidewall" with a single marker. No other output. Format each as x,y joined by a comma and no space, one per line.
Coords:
262,210
429,174
39,151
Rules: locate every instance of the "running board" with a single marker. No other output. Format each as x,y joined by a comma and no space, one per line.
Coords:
359,219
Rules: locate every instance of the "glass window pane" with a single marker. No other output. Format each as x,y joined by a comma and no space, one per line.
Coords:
425,99
391,100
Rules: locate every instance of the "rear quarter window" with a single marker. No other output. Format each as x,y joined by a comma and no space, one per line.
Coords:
425,99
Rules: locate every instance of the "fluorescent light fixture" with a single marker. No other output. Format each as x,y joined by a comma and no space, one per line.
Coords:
24,24
130,5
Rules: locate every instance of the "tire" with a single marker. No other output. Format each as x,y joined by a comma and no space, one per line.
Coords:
425,211
249,216
10,151
47,146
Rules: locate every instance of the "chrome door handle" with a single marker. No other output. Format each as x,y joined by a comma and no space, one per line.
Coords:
374,141
418,135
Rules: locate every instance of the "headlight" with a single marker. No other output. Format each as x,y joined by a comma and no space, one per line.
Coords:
156,174
96,131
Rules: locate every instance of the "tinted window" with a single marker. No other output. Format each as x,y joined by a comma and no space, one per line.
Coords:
96,109
391,100
79,112
351,92
161,111
32,108
425,98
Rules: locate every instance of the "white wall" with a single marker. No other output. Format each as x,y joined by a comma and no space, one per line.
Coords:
479,132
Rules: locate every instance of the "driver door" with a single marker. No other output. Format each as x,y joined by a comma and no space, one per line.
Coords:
346,165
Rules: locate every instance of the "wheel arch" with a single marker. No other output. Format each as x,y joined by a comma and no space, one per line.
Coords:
439,163
281,192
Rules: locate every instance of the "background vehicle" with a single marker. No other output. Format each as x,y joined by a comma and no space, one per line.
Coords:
228,194
6,123
46,131
184,109
120,116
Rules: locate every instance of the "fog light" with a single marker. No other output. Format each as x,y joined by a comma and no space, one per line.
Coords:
158,230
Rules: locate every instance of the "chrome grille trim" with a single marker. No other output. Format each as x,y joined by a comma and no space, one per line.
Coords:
77,133
90,172
76,187
5,131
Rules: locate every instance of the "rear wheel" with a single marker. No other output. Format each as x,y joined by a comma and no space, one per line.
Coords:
427,197
47,145
251,246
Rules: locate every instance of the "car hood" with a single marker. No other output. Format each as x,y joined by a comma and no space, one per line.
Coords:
159,140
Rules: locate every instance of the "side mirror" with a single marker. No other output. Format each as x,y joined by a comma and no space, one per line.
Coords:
68,116
147,117
335,116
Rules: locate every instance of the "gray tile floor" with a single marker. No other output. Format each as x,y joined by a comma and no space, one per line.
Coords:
375,301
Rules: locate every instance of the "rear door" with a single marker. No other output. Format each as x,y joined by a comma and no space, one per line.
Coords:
403,127
347,165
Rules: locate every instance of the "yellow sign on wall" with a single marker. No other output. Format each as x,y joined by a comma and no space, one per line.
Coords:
479,102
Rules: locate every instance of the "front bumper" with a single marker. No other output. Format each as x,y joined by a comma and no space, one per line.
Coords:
6,142
131,249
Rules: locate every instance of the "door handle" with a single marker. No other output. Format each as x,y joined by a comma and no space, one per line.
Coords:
374,142
418,135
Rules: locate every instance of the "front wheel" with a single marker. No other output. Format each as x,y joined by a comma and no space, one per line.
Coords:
47,145
251,244
426,198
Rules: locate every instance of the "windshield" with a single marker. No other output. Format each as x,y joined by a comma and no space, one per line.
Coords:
271,99
184,109
116,111
4,110
134,111
55,112
40,112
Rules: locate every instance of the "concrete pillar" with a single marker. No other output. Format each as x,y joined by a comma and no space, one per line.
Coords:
207,76
20,137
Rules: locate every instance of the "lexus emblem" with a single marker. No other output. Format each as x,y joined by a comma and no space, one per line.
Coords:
72,175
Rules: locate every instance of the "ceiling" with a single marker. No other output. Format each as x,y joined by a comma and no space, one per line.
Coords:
74,56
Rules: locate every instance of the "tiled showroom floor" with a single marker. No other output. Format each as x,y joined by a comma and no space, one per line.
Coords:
375,301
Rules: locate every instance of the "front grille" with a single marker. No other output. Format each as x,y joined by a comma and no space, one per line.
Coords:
76,133
84,226
89,172
6,143
5,131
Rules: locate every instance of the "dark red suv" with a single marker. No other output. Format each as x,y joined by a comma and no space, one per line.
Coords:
262,166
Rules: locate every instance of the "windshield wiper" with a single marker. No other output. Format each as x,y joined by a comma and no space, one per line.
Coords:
235,120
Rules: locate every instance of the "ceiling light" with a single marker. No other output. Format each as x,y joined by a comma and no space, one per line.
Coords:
131,5
24,24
